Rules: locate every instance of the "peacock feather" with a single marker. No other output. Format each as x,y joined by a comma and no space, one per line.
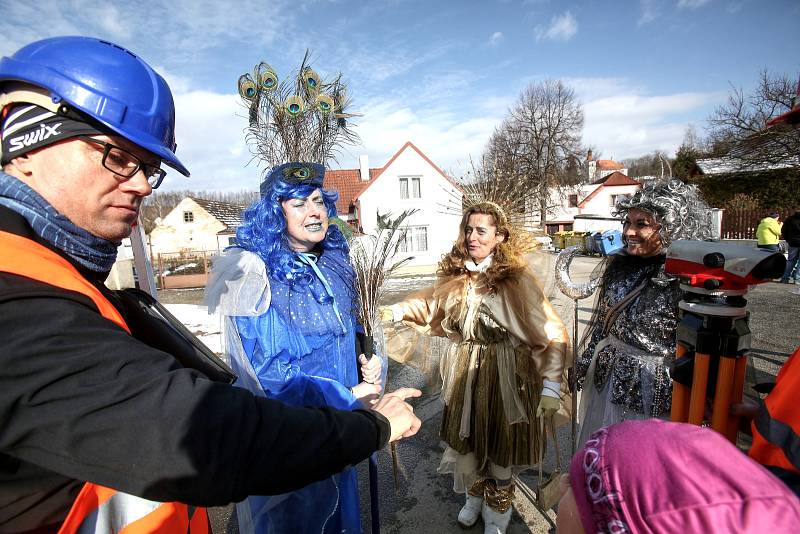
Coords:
300,118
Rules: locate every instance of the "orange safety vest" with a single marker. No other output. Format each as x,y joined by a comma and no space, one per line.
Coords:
97,509
776,428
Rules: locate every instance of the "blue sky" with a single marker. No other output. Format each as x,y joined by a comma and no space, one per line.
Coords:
438,73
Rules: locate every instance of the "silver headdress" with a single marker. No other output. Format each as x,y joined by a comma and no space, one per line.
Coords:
296,125
678,209
677,206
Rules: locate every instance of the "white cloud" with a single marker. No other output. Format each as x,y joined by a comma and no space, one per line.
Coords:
649,11
562,28
496,38
692,4
734,7
447,136
629,124
109,18
211,143
176,33
621,120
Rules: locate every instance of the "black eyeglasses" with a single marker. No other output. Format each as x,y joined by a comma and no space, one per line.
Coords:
124,164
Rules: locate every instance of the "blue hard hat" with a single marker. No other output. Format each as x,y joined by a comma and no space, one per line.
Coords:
106,82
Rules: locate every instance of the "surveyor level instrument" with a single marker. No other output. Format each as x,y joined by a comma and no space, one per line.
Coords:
713,336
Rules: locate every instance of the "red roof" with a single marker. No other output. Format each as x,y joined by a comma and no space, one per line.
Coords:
616,178
609,165
408,144
793,115
349,184
790,117
613,179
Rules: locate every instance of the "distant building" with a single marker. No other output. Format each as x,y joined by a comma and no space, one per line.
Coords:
409,180
590,206
196,225
597,169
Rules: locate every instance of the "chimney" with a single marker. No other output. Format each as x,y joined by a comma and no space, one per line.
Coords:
589,155
363,165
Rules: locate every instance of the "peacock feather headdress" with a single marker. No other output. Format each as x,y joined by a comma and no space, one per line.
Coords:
298,124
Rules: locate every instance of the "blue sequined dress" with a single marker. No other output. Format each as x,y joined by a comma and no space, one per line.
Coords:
299,348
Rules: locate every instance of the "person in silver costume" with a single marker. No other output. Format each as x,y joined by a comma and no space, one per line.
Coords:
630,341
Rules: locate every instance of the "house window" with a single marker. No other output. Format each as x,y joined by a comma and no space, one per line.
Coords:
617,198
421,238
413,239
188,216
403,187
416,187
403,243
573,201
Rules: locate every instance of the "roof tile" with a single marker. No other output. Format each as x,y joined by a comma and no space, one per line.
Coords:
349,184
228,214
609,165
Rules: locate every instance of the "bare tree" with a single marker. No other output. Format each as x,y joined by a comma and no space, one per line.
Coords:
738,128
647,165
539,144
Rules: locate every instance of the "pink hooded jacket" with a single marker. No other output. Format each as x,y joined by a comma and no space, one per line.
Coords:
660,477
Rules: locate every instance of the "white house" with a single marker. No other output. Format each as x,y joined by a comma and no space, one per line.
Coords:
409,180
589,207
196,225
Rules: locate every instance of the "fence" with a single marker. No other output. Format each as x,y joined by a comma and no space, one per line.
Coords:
742,224
176,270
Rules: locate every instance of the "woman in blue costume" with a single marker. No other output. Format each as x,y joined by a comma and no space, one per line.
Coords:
300,347
286,292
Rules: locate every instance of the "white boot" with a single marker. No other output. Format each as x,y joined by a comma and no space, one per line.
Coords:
495,522
470,512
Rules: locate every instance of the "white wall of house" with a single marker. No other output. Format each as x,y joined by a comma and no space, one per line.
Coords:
225,240
602,204
411,182
188,227
563,211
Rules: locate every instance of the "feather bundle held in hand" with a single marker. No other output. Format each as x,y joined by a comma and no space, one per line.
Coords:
373,259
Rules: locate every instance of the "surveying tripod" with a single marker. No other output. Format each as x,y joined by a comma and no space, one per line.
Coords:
713,338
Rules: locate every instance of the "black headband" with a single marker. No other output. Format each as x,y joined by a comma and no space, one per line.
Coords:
27,127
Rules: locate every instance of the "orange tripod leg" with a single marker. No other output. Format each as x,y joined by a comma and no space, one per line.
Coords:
680,393
697,402
722,396
736,397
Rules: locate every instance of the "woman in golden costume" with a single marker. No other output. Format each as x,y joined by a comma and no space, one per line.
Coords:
505,366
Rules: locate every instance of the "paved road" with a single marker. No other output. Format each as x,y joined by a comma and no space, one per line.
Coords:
424,500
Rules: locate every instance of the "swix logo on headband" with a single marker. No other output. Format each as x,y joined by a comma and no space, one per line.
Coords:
28,127
31,138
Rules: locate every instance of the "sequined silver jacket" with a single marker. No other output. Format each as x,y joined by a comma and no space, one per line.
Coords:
640,344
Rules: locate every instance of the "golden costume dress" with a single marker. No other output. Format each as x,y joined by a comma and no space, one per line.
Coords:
505,342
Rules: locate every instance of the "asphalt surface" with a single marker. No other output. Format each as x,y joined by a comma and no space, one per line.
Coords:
423,501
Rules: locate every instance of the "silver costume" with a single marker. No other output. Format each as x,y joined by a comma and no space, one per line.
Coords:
624,370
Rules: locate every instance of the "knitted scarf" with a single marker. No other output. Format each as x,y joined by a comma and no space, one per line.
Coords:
88,250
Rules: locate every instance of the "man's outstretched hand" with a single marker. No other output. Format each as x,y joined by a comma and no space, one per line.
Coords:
400,414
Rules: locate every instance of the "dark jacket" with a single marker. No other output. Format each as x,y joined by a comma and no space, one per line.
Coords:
80,400
791,230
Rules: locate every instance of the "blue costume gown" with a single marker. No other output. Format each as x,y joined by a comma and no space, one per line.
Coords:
302,352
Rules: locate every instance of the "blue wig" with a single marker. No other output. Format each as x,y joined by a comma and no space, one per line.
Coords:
263,232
